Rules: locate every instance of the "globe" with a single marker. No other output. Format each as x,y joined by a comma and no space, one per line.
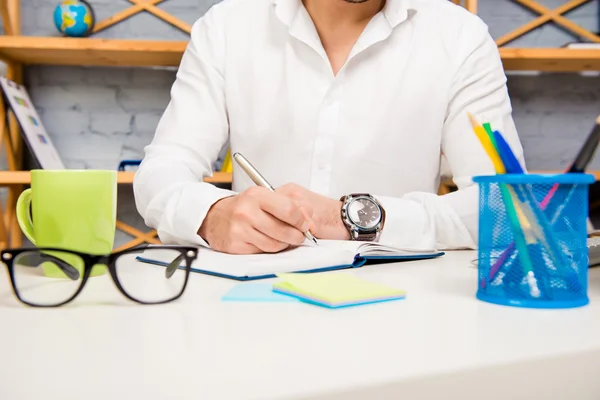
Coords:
74,18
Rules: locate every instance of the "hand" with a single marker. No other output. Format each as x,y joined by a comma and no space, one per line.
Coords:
326,213
255,221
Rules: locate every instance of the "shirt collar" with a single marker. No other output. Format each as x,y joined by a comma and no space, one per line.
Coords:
395,11
286,10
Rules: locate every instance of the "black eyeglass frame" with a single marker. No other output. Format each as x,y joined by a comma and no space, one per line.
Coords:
187,253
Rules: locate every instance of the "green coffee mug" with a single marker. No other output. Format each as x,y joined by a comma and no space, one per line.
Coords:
72,210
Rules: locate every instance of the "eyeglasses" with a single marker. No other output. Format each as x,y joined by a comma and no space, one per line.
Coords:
52,277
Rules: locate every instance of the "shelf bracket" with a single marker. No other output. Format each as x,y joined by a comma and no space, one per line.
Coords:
549,15
138,7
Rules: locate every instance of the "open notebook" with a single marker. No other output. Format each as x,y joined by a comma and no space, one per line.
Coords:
329,255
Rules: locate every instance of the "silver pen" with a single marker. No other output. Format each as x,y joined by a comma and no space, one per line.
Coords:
261,181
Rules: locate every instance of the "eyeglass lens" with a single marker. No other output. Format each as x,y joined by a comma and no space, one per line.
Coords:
149,282
47,278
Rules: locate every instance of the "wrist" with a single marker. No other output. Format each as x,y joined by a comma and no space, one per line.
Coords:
205,230
341,232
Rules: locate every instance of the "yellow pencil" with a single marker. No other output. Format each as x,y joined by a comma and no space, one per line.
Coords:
487,145
522,229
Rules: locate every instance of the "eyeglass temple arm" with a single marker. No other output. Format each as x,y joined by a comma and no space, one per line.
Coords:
35,259
172,267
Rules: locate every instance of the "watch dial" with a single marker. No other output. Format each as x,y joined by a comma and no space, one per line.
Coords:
364,213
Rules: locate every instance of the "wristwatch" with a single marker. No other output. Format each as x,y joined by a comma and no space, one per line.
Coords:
363,216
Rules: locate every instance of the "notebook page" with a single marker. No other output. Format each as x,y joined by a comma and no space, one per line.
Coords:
376,249
301,258
372,248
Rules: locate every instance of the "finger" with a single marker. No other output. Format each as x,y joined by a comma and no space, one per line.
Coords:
276,229
284,209
243,247
308,216
265,243
306,209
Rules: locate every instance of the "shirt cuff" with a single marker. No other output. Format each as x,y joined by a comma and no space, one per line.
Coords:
187,210
407,225
425,221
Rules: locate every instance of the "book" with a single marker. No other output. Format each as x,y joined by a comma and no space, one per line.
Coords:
328,256
36,138
335,290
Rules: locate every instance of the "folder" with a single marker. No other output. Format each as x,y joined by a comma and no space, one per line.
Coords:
330,255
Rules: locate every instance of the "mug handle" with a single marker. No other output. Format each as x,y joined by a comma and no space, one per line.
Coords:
24,216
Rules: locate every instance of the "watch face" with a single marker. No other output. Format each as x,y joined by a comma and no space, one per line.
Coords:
364,213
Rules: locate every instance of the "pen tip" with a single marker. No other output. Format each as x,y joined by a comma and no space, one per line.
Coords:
310,237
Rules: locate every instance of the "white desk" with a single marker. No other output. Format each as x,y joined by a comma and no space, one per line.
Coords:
438,343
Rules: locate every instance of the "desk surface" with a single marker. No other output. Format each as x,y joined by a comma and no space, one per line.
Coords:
440,342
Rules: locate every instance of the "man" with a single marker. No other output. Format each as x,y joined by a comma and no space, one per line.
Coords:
345,107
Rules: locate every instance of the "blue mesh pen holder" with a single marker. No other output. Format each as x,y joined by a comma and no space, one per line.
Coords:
533,240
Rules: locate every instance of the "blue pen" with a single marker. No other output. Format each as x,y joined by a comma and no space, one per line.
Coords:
513,166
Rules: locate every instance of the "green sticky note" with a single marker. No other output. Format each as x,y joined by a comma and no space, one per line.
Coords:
335,290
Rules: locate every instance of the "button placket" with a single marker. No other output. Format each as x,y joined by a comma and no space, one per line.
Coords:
324,146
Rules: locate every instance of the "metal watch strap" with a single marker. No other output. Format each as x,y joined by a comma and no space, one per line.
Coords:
365,237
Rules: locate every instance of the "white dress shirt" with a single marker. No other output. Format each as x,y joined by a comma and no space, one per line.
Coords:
255,73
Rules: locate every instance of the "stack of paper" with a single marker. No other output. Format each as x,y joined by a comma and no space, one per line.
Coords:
335,290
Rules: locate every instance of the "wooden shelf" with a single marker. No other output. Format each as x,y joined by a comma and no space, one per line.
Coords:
116,52
550,60
90,51
8,178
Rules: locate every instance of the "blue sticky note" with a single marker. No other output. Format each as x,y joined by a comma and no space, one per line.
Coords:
256,292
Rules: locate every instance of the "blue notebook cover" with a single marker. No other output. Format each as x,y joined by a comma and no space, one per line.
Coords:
244,278
300,260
